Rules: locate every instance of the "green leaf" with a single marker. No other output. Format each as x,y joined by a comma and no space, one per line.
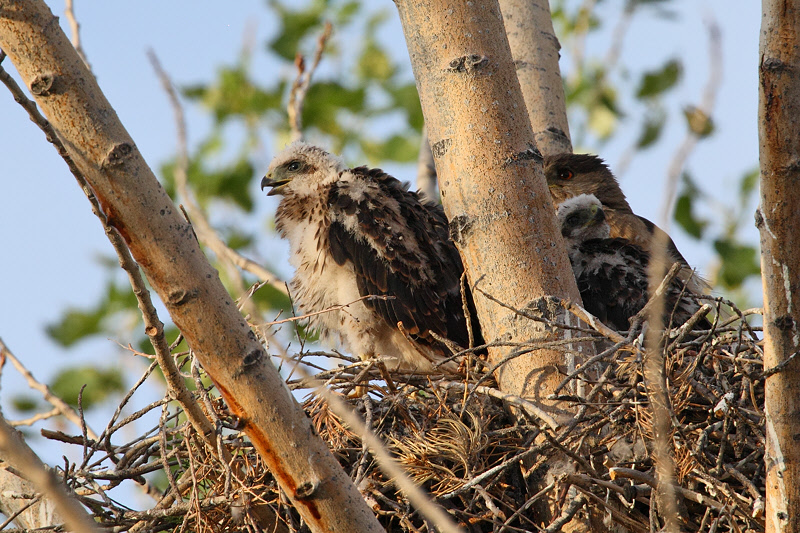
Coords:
403,148
234,94
76,324
738,261
295,25
374,63
100,384
406,97
748,184
325,100
658,81
230,182
651,129
25,403
685,217
347,12
268,297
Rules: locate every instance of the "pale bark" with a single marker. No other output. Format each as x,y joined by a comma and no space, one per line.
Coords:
426,170
490,178
17,497
163,244
20,457
778,220
535,49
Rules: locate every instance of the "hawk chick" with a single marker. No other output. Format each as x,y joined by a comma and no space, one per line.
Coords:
612,272
570,175
360,232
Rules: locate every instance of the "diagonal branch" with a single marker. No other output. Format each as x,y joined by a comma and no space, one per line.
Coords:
165,247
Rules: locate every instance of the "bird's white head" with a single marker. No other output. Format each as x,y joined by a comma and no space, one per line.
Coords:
301,169
582,218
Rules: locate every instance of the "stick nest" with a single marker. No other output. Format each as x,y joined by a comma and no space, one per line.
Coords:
488,462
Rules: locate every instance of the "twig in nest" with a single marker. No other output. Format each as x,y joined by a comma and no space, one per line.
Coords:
342,307
513,399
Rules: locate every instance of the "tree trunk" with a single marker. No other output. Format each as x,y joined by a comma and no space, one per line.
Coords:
535,49
163,244
778,220
493,190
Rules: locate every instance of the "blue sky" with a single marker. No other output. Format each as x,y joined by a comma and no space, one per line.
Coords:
51,241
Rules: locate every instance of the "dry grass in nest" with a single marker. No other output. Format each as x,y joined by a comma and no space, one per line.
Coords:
480,463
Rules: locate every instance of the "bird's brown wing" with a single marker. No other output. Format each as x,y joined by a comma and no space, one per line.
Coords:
398,247
612,279
641,232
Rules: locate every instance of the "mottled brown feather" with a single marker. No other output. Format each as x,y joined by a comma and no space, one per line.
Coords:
570,175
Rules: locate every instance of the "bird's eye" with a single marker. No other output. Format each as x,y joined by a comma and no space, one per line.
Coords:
573,220
293,166
565,174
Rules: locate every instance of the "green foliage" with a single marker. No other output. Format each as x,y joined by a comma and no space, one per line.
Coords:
651,129
684,209
656,82
235,94
325,102
77,324
738,262
25,403
100,384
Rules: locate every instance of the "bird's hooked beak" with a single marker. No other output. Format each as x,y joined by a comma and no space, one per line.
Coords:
596,216
275,184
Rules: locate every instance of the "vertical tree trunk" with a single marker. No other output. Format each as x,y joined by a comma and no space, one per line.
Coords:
164,245
490,176
535,49
778,220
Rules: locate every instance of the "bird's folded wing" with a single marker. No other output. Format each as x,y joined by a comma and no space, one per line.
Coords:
398,247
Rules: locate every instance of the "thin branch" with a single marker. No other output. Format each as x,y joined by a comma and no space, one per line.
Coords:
69,11
704,110
60,405
302,82
517,401
205,232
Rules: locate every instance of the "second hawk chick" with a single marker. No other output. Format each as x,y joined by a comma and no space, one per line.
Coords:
570,175
355,232
612,272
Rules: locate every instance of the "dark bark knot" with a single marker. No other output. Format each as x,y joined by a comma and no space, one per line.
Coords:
306,490
43,84
118,154
439,148
252,358
181,297
531,153
784,322
774,64
470,63
460,226
759,218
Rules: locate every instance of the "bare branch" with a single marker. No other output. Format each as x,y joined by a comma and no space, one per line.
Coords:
302,82
62,407
205,232
75,28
